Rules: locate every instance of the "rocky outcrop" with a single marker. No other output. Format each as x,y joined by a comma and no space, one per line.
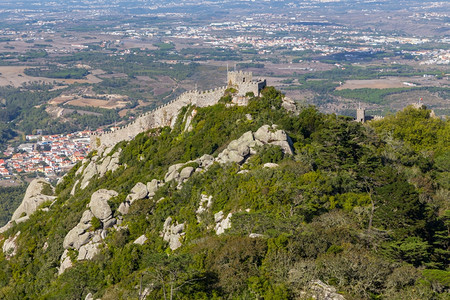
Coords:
172,233
83,237
124,207
65,262
79,235
289,104
188,119
139,191
89,172
183,171
152,187
99,204
98,165
222,223
270,135
10,247
88,251
204,206
270,165
140,240
109,163
31,201
321,291
33,198
239,150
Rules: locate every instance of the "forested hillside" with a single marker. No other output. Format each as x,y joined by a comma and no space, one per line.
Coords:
364,208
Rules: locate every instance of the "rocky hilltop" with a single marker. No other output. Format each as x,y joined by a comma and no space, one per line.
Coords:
241,202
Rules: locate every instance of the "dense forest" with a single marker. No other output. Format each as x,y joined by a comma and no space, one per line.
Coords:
10,198
52,71
362,207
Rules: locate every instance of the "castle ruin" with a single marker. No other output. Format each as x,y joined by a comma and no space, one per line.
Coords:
360,114
244,83
166,114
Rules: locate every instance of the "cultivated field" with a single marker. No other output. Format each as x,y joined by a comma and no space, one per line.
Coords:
394,82
111,104
14,75
108,101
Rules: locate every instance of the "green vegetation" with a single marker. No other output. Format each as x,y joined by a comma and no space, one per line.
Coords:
363,208
30,55
250,65
164,46
10,199
378,96
53,71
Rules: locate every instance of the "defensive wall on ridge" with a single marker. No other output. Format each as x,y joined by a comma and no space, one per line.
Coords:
166,114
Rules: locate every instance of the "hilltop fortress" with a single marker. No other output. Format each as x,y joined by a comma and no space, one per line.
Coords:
166,114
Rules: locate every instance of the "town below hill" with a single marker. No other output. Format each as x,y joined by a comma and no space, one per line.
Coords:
45,155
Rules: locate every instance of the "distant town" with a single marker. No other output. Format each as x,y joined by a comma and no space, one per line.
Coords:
47,154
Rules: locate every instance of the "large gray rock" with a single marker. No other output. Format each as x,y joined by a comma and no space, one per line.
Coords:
65,262
238,150
109,223
263,134
185,173
205,161
172,233
222,223
178,173
270,165
74,188
107,151
89,172
153,186
229,156
103,168
124,207
10,247
86,217
114,163
139,191
289,105
271,135
319,290
205,204
77,236
88,251
32,199
99,203
140,240
172,173
284,145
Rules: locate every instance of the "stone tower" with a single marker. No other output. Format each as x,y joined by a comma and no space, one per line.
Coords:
239,77
360,114
244,83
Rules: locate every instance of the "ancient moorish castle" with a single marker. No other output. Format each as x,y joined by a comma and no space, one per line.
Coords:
166,114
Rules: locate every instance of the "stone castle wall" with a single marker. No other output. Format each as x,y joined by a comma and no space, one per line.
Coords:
251,87
164,115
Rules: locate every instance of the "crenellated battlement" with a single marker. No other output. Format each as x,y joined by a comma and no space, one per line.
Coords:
165,115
